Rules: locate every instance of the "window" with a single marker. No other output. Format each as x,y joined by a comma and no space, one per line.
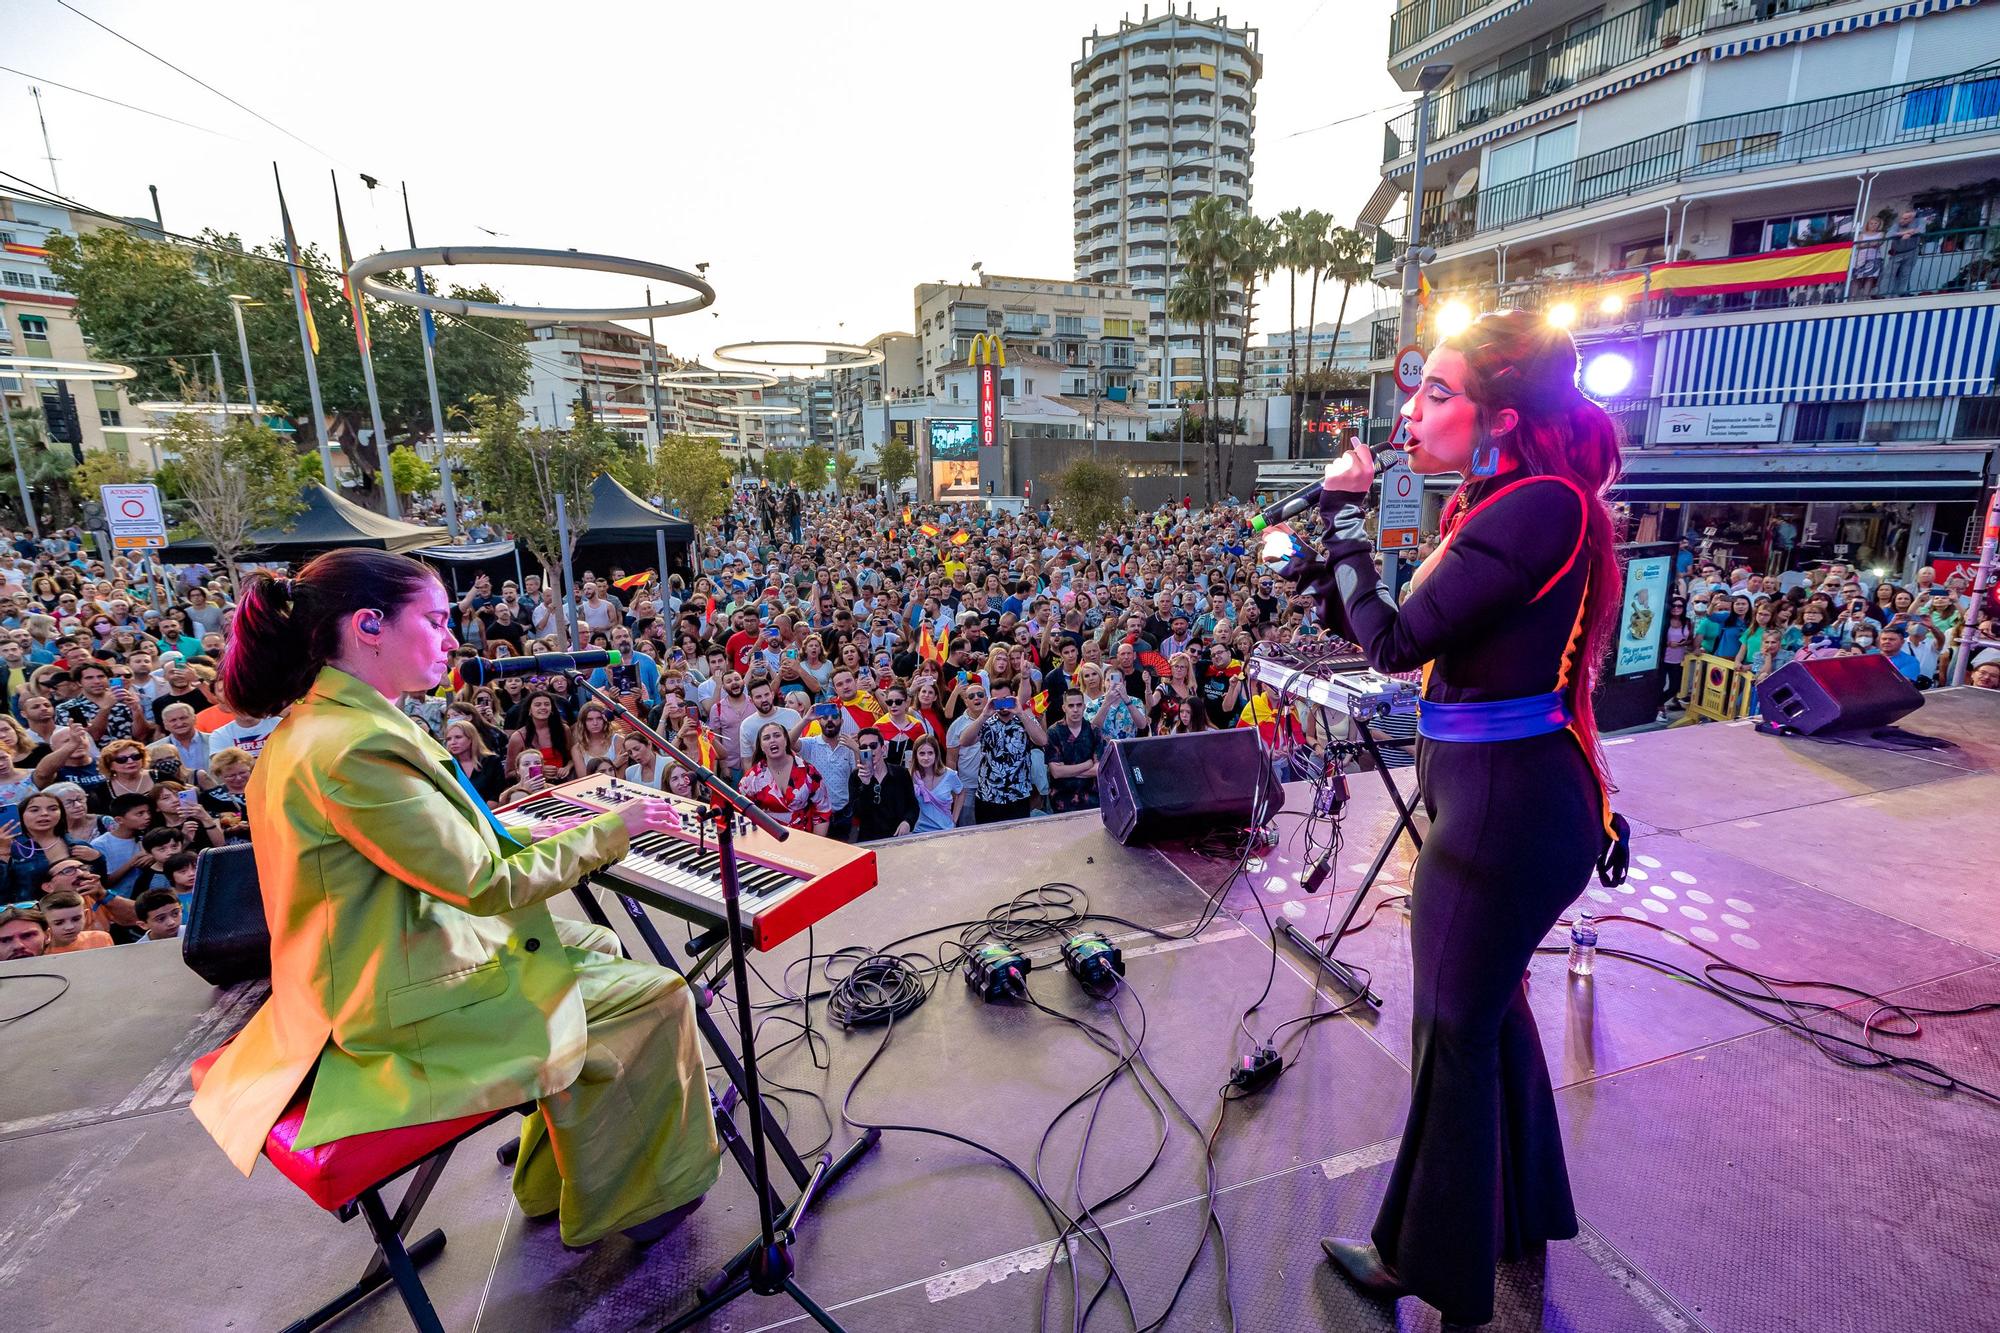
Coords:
11,278
1638,254
1978,418
49,284
34,326
108,416
1760,235
1904,419
1070,325
1827,423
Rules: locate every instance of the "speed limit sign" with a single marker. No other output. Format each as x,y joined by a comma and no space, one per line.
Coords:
1409,369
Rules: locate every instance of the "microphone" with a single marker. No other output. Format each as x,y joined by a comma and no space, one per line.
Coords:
478,670
1307,495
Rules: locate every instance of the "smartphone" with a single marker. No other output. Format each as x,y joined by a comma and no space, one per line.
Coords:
827,712
189,799
791,654
1003,703
117,682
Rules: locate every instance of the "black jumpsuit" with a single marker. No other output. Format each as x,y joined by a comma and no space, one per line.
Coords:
1516,827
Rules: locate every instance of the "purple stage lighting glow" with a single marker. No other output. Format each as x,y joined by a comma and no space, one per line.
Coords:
1606,375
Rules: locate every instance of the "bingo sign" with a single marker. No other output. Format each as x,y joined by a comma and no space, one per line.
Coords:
133,515
1402,509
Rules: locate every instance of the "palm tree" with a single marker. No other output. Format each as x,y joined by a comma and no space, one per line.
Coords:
1205,240
1314,259
1195,298
1349,259
1256,257
1289,254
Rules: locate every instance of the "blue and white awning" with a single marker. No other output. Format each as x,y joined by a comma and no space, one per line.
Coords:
1487,21
1941,352
1852,23
1554,109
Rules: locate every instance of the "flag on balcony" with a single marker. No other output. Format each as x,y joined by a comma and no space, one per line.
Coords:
1423,291
1803,266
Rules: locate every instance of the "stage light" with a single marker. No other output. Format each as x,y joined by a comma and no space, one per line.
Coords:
1611,304
1606,375
1562,314
1453,319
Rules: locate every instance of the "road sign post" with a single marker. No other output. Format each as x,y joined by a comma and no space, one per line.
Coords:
1401,513
134,517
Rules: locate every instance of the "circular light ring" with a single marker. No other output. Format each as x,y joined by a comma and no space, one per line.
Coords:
160,407
710,434
760,410
42,368
364,271
133,430
718,379
838,356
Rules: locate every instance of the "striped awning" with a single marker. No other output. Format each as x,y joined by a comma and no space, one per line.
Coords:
1387,192
1853,22
1940,352
1554,109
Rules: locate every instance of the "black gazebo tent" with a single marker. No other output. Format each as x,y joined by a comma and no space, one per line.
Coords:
328,521
625,532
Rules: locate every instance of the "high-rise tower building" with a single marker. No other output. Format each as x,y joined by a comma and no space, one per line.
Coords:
1164,111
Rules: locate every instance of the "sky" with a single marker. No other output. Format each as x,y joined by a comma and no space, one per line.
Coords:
821,159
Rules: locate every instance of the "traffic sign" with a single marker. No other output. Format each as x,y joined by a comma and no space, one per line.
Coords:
133,515
1409,368
1401,512
1400,437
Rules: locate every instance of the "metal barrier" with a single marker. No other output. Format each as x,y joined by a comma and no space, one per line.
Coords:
1717,689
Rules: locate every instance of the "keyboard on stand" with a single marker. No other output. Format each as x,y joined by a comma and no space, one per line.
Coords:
1358,691
786,886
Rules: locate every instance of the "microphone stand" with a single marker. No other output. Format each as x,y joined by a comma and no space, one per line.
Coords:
766,1267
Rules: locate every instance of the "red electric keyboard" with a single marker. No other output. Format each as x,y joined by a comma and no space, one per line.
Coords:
786,886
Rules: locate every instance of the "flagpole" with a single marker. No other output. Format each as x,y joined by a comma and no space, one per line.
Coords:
306,337
360,314
431,379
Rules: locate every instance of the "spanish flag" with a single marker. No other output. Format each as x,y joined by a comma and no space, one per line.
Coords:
1423,289
1040,703
906,513
298,273
927,529
960,538
631,581
348,289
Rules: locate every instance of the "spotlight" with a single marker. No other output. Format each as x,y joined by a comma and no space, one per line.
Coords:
1453,319
1562,314
1611,304
1606,375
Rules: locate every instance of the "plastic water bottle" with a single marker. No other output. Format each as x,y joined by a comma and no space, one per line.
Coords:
1582,945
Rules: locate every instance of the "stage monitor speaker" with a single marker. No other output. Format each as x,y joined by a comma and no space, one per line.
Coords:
226,939
1169,786
1837,694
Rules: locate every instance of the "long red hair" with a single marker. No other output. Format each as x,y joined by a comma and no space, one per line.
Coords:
1515,360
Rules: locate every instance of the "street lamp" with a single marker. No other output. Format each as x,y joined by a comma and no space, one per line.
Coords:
236,304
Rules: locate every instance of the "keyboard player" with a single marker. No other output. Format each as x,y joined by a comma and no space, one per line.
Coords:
417,973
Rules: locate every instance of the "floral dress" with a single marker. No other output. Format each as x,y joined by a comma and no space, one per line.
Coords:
801,802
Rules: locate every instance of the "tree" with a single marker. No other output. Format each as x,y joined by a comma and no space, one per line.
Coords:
1314,255
46,469
845,479
1089,496
895,464
811,474
1292,248
1205,242
103,469
230,483
163,307
1349,258
694,477
412,475
781,465
519,473
1256,257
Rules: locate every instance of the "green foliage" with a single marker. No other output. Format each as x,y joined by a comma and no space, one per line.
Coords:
47,468
781,465
811,474
162,307
104,469
634,471
518,472
307,470
694,477
229,483
412,475
845,479
896,464
1089,496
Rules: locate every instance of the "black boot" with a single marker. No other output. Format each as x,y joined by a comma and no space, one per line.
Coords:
1363,1265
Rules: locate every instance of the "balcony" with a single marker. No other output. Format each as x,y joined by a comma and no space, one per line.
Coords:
1418,19
1383,339
1148,86
1927,111
1577,58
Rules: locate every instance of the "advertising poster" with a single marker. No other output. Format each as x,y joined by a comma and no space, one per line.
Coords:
1643,617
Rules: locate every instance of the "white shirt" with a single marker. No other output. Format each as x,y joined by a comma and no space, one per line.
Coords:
245,734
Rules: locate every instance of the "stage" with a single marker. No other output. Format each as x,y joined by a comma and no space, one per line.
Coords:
1728,1176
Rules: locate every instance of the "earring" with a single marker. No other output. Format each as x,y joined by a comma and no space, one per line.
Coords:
1485,460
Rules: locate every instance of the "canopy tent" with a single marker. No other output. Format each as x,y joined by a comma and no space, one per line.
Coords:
625,532
328,521
461,565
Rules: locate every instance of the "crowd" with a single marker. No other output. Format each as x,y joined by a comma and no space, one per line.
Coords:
862,671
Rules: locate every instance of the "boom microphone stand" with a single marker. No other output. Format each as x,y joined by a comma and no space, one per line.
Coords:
766,1266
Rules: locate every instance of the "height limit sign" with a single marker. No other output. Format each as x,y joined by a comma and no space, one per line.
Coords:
133,515
1402,509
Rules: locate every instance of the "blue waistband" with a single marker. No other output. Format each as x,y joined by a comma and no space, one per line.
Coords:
1499,720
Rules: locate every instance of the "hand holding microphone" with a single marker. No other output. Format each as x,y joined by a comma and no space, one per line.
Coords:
1354,474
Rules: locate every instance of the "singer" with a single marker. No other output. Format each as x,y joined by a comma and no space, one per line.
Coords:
1509,619
416,973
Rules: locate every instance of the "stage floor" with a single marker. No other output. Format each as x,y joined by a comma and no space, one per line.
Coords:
1728,1176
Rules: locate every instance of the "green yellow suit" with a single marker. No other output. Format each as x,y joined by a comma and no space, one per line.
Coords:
417,975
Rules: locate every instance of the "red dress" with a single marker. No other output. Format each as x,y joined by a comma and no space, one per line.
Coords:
801,802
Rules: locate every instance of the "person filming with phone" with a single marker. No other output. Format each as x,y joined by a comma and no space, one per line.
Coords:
417,974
